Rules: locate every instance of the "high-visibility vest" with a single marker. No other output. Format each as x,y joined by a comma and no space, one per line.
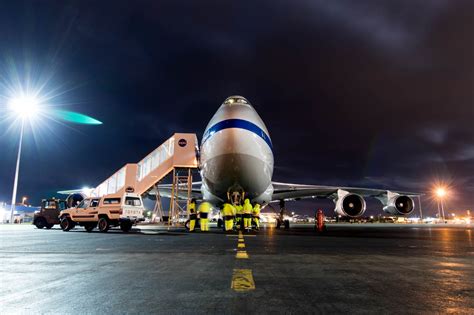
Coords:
256,210
248,208
204,207
192,208
227,210
239,209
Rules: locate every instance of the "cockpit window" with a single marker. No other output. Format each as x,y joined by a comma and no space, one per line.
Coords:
236,100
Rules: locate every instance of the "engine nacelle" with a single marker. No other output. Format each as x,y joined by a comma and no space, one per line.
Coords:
349,204
74,199
397,204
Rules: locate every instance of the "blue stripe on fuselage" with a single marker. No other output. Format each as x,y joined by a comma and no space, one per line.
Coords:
237,123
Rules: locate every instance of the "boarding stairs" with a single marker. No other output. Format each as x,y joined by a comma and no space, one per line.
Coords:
176,157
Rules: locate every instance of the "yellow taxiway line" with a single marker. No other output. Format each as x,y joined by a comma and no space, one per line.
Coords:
242,280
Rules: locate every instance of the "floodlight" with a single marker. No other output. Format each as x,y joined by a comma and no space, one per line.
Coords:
24,106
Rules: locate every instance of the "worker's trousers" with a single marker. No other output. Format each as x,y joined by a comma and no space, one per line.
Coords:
257,222
192,222
247,221
204,225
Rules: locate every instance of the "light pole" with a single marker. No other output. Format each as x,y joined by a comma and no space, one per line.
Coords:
17,171
440,193
23,107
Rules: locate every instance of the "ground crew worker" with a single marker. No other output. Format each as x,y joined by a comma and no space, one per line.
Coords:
247,208
192,214
239,216
256,216
203,210
228,214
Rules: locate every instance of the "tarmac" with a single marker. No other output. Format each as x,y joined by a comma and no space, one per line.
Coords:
353,268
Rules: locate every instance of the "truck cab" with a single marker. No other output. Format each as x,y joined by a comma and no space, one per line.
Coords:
104,212
48,215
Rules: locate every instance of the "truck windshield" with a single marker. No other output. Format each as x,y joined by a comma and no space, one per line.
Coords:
50,204
133,201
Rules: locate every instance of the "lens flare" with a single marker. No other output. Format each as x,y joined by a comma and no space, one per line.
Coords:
74,117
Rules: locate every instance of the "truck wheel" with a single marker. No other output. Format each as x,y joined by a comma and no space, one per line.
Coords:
40,223
66,224
104,225
126,226
89,227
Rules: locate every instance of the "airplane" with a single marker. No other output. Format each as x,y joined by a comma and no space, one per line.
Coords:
236,162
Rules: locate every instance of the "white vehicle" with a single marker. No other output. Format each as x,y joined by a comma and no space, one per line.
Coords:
104,212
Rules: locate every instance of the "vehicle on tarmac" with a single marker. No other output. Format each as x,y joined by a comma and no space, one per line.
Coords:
48,215
104,212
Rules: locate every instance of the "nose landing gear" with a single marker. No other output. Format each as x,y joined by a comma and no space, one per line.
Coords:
281,221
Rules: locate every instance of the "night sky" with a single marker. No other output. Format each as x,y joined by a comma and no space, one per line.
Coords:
363,93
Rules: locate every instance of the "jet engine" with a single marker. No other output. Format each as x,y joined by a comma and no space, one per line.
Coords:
74,199
349,204
397,204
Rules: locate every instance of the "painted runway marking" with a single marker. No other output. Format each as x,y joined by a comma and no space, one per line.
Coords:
242,280
242,254
240,245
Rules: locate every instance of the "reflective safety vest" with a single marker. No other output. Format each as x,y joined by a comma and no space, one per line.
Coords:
256,210
239,209
192,208
247,207
227,210
204,207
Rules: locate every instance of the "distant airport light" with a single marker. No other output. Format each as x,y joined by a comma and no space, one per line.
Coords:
441,192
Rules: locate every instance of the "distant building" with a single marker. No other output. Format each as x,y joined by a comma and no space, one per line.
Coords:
21,213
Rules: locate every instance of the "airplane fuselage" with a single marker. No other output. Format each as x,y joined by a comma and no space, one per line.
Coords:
236,154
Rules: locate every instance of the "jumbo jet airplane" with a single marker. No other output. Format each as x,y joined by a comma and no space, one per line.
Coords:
236,162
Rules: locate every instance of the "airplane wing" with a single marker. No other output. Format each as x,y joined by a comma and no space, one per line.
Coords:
287,192
165,190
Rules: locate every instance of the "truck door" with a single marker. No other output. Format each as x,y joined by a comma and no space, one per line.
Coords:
92,210
80,214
